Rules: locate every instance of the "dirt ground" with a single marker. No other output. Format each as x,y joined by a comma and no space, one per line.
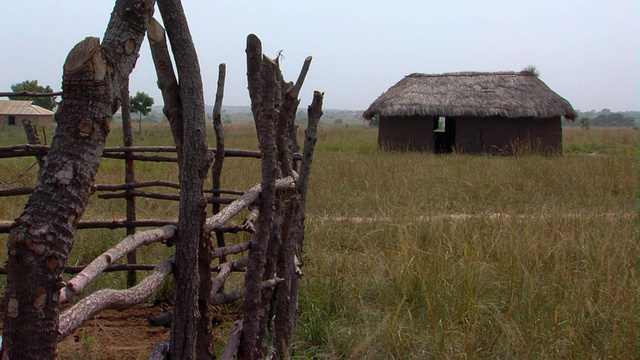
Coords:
126,335
115,334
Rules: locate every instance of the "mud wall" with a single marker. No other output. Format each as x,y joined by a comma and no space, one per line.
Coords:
498,135
406,133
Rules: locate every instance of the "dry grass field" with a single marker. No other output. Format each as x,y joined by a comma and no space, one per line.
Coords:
419,256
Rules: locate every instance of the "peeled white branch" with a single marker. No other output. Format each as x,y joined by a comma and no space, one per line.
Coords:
244,201
225,270
97,266
85,309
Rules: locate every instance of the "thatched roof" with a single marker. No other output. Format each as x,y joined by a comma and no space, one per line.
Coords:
474,94
22,107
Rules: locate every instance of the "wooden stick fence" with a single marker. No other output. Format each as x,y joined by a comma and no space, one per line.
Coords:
275,221
128,191
70,320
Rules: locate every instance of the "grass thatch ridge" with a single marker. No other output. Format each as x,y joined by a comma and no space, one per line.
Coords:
473,94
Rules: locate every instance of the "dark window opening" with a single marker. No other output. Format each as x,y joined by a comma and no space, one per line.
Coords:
12,120
444,133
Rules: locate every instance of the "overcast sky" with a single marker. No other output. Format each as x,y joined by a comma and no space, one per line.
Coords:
587,51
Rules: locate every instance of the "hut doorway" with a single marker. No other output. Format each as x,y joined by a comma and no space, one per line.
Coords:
444,134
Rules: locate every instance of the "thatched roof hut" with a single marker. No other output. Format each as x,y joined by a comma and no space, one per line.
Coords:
509,106
13,111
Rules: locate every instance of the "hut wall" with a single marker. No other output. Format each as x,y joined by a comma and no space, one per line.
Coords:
406,133
35,119
498,135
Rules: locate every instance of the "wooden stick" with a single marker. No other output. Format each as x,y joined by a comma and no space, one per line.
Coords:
216,169
265,103
156,183
244,201
228,250
33,138
231,350
16,191
85,309
97,266
115,224
282,320
112,268
293,235
204,256
224,270
314,112
160,196
118,224
160,351
138,267
186,326
138,185
167,81
125,267
236,265
234,229
29,94
303,73
250,221
118,152
132,149
219,299
129,174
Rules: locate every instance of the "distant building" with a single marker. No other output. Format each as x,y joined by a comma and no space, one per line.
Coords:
471,112
12,112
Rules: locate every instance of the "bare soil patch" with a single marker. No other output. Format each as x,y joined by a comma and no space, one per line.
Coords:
114,334
127,335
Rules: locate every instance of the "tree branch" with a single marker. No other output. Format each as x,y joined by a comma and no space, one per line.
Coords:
85,309
97,266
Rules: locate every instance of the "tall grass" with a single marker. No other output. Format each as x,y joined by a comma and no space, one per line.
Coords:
419,256
415,256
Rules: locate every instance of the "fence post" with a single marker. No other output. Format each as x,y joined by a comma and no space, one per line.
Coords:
216,169
129,176
33,138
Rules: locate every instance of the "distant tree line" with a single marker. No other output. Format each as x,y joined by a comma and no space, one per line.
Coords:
613,119
605,117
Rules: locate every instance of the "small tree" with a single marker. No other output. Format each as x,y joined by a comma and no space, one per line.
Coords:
585,123
32,86
141,104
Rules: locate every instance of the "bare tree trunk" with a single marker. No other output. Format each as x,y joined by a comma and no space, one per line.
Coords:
193,166
43,235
